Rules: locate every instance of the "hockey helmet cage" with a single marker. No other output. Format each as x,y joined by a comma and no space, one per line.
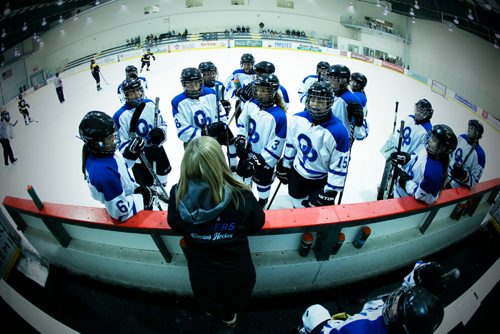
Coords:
319,101
132,91
423,110
209,72
265,87
192,82
440,141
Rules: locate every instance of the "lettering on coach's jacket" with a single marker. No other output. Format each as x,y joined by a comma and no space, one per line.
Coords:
217,231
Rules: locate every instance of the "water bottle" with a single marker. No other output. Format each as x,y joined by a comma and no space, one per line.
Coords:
362,236
305,244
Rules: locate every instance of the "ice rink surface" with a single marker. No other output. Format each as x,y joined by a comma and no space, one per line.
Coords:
49,153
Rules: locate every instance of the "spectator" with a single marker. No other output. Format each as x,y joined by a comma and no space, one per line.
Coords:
6,135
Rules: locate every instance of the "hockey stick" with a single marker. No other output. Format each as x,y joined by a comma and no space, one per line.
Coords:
390,193
274,195
103,78
133,124
217,91
15,123
388,165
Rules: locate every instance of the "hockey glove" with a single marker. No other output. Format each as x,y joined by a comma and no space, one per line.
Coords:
282,172
157,136
148,196
400,158
403,177
238,92
460,174
240,143
216,130
429,276
227,105
355,113
134,149
248,166
322,198
247,93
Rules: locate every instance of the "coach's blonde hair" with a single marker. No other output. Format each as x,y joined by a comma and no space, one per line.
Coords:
204,161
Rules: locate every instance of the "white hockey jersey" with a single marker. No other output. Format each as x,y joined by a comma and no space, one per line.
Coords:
475,160
110,183
265,130
318,151
192,115
238,79
145,124
304,87
427,177
339,110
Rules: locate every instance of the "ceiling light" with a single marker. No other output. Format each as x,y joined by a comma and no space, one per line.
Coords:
44,22
497,35
25,27
3,33
59,2
450,28
495,45
456,21
97,3
470,16
487,6
413,20
412,13
6,11
416,5
351,5
3,48
60,19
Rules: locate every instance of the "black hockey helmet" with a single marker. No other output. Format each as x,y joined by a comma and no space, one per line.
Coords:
247,58
209,71
358,81
423,110
440,141
265,87
341,74
413,309
475,130
264,67
192,75
130,69
96,130
132,85
324,65
319,101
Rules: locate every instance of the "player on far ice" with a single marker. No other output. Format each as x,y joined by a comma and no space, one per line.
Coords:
146,59
23,107
95,70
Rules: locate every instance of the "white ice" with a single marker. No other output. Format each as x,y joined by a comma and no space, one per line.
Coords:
49,154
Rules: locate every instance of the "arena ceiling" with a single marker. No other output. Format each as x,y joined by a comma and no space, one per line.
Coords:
21,19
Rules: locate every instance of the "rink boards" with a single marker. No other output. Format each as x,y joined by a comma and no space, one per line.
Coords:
145,253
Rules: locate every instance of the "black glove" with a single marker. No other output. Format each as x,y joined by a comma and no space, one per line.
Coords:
248,166
133,149
157,136
240,143
148,196
247,92
429,276
403,177
214,130
458,173
238,92
355,113
282,172
227,105
322,198
400,158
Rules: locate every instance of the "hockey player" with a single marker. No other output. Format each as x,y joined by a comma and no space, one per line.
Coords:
151,128
237,81
416,128
316,153
6,136
358,84
468,160
197,112
210,75
96,73
412,308
321,69
146,59
131,72
263,67
345,105
261,135
23,107
423,174
106,171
